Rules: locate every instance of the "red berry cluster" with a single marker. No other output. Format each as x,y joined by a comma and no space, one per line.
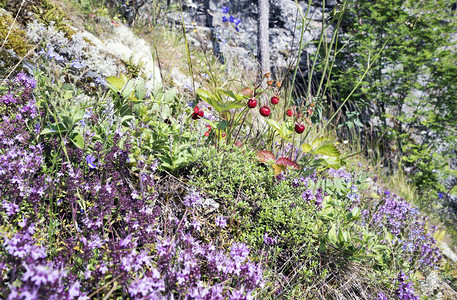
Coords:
209,129
197,114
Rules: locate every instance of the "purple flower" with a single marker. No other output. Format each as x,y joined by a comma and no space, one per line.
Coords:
28,81
440,195
91,161
225,9
405,289
193,199
239,252
221,221
8,98
77,64
224,19
269,240
101,81
381,296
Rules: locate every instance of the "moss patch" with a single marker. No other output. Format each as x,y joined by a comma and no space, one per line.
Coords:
16,39
43,10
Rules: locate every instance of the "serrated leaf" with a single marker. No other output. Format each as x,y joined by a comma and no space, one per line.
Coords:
306,148
231,94
327,149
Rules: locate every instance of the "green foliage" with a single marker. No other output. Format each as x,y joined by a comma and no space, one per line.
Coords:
260,204
410,87
168,142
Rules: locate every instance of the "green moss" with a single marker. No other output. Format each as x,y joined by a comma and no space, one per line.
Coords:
16,38
43,10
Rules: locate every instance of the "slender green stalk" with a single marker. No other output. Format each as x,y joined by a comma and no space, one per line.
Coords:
300,48
189,61
355,87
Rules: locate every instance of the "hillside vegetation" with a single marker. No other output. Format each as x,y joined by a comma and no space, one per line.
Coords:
135,166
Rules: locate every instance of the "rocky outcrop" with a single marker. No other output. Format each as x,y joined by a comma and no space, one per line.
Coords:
233,31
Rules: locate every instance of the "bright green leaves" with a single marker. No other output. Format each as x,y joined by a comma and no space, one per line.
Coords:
321,146
66,126
127,92
285,129
331,155
216,101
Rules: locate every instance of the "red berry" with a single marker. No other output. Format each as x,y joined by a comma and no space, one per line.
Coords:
201,113
196,109
299,128
289,113
209,127
207,133
274,100
252,103
265,111
223,134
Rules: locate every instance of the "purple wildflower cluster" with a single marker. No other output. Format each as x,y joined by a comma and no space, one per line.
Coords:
405,289
405,223
181,262
268,240
112,223
39,278
231,19
20,158
313,197
340,173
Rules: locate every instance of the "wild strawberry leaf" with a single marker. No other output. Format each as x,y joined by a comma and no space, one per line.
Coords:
288,163
283,130
265,156
231,94
328,149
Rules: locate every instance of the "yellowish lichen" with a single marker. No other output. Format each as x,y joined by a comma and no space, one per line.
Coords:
16,39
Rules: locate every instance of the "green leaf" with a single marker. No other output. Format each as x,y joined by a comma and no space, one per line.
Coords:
116,83
126,118
67,121
331,235
328,149
140,89
306,148
78,116
47,130
364,256
231,94
78,140
128,88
